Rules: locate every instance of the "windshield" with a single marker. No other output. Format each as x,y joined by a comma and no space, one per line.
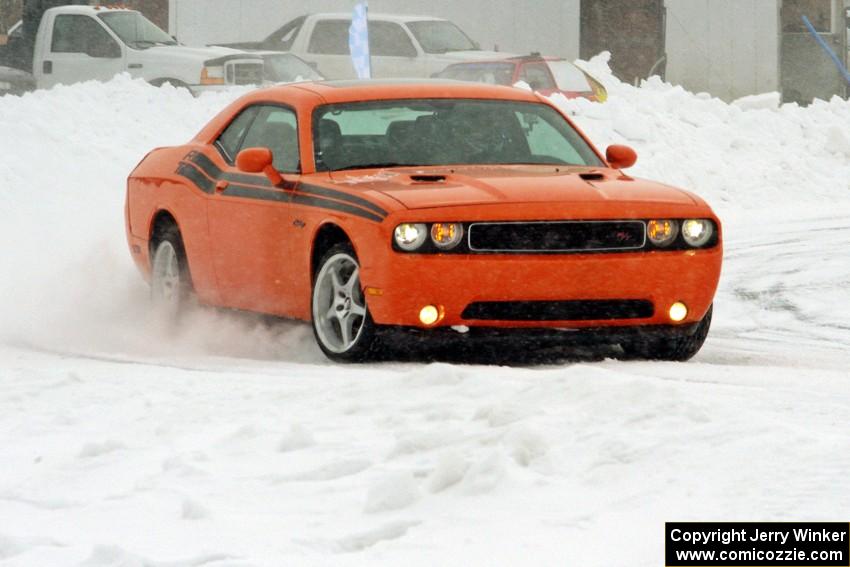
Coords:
569,77
286,68
440,36
491,73
136,30
444,132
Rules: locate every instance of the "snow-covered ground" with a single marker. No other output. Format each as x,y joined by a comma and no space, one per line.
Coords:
235,443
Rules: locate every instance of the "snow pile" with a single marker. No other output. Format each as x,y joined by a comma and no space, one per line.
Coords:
752,156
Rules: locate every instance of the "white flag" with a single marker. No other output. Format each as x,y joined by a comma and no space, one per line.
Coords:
358,41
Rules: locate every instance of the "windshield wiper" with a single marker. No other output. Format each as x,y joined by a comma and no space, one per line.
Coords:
375,165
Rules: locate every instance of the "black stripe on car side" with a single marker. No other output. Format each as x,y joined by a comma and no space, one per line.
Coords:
339,195
334,205
213,171
281,196
191,173
298,199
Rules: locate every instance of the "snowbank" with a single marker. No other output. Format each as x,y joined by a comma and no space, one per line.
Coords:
750,157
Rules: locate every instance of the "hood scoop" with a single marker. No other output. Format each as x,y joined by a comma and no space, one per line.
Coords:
423,178
591,176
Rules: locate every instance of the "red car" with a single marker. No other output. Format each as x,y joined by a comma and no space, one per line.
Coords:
546,75
378,206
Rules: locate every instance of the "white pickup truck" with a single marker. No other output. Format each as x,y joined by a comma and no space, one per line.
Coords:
401,46
79,43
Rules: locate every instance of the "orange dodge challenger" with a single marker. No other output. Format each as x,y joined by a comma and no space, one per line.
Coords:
447,207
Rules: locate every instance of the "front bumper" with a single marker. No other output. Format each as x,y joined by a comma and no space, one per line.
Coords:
400,285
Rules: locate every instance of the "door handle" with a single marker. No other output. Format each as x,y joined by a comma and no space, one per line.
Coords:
221,186
47,67
134,66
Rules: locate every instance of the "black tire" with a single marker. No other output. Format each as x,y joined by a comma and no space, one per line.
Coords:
677,349
328,330
171,282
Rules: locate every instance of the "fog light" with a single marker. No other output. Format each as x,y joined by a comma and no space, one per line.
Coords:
430,315
678,312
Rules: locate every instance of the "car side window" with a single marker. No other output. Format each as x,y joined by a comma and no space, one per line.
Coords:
229,140
537,76
82,34
276,128
389,39
330,37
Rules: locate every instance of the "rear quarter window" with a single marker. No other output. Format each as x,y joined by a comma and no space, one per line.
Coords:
231,138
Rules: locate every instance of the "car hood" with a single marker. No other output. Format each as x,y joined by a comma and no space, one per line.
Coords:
199,54
424,188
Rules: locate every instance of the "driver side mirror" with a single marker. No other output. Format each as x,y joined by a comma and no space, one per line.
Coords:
620,157
259,160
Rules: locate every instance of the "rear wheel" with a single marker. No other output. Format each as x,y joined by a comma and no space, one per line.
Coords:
341,322
171,286
671,348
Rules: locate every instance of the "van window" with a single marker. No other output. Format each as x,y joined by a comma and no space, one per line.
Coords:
82,34
387,39
390,40
330,37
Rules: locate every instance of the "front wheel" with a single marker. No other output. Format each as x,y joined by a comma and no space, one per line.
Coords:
677,349
341,322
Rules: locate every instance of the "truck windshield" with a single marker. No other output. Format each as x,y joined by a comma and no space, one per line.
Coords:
440,36
136,30
444,132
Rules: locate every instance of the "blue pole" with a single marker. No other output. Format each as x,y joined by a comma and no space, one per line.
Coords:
829,51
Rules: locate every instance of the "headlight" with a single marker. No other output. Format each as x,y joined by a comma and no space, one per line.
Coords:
662,233
697,232
446,235
410,237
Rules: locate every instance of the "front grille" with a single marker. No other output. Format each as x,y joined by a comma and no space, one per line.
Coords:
245,73
561,236
577,310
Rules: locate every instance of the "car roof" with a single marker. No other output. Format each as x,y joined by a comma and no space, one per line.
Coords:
308,95
89,10
388,89
378,16
515,59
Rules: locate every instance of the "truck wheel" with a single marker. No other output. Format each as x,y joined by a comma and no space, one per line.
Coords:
171,285
341,322
677,349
